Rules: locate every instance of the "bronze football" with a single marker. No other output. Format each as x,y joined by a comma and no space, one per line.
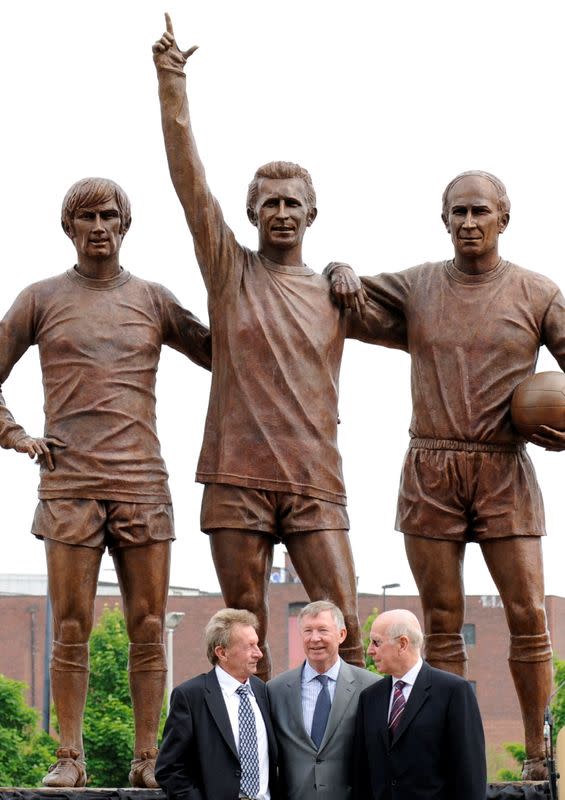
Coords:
539,400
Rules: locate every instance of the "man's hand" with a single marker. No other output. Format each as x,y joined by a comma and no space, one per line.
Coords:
167,54
39,448
549,438
346,287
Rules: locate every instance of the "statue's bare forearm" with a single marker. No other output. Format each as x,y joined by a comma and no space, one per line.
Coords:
185,166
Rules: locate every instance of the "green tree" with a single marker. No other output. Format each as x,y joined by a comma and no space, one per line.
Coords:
108,717
366,630
558,704
25,751
518,753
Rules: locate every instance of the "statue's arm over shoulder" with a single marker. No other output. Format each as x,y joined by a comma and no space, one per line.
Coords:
213,239
375,306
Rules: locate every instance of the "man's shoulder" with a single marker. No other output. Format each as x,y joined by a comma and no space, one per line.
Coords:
446,680
197,684
532,278
283,680
360,675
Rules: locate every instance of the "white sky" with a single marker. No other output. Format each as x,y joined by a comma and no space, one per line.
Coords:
382,102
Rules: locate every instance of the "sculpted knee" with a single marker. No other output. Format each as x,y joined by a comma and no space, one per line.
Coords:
147,628
74,630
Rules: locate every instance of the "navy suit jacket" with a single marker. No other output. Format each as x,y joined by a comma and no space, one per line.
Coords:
198,759
438,750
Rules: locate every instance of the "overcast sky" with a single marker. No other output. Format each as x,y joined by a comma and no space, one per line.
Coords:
382,102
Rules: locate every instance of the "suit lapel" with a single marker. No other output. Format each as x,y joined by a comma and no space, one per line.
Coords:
217,707
294,705
260,694
344,692
418,696
380,719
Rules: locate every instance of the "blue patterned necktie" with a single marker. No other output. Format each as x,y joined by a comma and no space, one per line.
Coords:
398,704
321,711
248,751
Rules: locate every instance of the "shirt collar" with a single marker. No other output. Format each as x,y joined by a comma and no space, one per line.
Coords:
309,673
410,677
228,684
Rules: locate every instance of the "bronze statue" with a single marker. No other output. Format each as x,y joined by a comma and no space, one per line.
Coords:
269,460
103,482
475,326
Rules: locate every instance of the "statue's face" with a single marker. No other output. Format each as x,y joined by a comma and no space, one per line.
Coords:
96,231
281,212
473,218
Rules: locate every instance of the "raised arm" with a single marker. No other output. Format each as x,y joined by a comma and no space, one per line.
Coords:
205,219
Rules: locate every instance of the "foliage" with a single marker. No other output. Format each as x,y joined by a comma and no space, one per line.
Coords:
518,753
25,751
558,704
108,717
366,630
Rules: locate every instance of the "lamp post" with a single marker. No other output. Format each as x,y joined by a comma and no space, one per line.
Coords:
386,586
172,619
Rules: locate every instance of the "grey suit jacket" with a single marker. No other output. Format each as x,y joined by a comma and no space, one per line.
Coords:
306,773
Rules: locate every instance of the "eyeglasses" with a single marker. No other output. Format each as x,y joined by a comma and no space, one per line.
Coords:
380,642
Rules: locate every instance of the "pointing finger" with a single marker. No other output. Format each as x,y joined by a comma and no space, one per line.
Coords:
169,24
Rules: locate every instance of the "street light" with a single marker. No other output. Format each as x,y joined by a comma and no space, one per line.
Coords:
172,619
386,586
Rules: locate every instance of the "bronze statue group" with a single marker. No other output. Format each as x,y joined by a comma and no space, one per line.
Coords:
473,326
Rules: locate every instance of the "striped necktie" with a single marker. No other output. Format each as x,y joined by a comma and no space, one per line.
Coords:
398,705
248,750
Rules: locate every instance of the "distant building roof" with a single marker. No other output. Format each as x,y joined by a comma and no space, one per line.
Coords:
37,585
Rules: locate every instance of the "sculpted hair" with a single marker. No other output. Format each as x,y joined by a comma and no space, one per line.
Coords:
413,633
281,169
313,609
217,632
500,188
90,192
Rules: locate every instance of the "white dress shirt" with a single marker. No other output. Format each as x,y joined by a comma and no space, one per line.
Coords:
311,688
409,678
229,686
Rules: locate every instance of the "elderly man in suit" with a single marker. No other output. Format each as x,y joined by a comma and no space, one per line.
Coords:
313,710
419,733
218,741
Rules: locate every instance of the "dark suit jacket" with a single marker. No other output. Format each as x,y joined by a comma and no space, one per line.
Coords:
198,759
438,751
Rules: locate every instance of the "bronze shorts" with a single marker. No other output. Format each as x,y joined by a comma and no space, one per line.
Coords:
469,495
103,523
262,511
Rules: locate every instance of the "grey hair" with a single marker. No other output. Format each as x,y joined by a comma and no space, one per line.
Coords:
500,188
319,606
218,631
